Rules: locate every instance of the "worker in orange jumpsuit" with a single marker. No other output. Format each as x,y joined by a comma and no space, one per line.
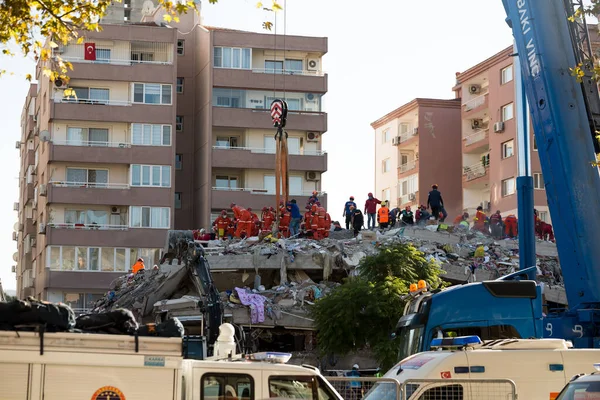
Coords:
322,221
255,226
267,218
284,220
314,222
480,221
138,266
511,228
327,224
244,224
221,223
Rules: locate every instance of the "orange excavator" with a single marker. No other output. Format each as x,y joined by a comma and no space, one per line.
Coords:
279,110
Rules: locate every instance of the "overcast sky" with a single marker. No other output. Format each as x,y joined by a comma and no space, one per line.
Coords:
382,54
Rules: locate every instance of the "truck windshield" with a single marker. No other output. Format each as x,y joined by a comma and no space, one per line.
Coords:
411,339
581,390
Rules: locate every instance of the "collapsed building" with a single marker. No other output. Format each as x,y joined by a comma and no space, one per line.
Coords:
267,287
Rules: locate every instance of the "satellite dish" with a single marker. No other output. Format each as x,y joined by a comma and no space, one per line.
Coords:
44,136
148,8
16,256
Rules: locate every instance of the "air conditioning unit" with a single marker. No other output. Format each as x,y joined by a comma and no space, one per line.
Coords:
16,206
15,236
310,97
115,210
475,89
486,205
412,197
312,64
18,145
60,84
477,123
42,229
499,127
43,190
396,141
13,269
312,176
312,137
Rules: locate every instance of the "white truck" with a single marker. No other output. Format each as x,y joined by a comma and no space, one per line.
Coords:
465,368
79,366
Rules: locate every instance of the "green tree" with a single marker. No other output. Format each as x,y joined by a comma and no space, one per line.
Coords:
364,310
25,24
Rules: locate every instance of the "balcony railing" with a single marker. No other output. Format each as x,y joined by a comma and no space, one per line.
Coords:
408,166
407,198
475,102
406,136
475,137
102,102
94,185
287,72
259,150
90,143
266,191
475,171
122,53
100,227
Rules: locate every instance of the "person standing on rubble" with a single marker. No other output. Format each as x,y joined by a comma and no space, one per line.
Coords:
394,215
511,227
480,221
138,266
371,210
407,216
347,212
355,386
435,202
358,220
496,226
383,216
296,217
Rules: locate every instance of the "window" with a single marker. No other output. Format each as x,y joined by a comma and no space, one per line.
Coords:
385,136
232,57
180,47
543,215
178,161
288,66
403,129
179,85
274,67
127,15
538,181
228,141
103,56
506,75
296,387
535,148
292,66
227,387
385,194
229,98
150,217
100,259
150,175
508,187
177,200
86,217
91,95
150,135
293,145
138,57
508,149
295,184
87,177
179,123
507,112
151,93
87,137
386,165
226,182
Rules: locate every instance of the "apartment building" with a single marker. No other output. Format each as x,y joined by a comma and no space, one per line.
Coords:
226,82
418,145
489,143
97,176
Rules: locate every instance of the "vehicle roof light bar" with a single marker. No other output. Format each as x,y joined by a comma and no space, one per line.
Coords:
457,342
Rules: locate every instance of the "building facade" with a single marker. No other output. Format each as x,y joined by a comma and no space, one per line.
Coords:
418,145
159,129
489,143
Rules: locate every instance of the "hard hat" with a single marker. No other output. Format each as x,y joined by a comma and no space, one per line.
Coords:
271,209
370,195
264,208
249,208
351,197
355,366
140,259
315,192
224,212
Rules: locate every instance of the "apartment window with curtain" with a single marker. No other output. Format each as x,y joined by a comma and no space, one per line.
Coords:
386,165
226,182
88,177
152,93
179,123
538,181
151,175
178,161
150,217
90,95
232,57
507,112
508,187
506,75
508,149
97,137
294,181
179,87
386,136
102,56
150,135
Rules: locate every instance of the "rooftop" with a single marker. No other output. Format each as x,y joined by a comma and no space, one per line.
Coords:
418,102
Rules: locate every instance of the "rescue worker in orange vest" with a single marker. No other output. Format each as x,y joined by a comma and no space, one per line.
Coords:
267,218
480,220
221,223
305,225
138,266
244,224
255,227
284,220
322,221
314,222
511,228
383,215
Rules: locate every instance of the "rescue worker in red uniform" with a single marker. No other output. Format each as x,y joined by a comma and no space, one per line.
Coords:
267,218
511,228
327,224
255,227
231,229
314,222
221,224
322,221
284,220
480,221
244,224
542,230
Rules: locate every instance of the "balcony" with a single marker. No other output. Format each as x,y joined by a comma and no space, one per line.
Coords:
410,166
221,198
110,110
228,117
29,157
108,153
476,104
29,227
476,140
258,158
92,226
298,81
108,194
29,193
79,280
86,237
475,173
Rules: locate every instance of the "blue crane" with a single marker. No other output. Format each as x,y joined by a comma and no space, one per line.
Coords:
566,116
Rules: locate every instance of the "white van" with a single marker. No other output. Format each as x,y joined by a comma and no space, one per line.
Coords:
535,369
79,366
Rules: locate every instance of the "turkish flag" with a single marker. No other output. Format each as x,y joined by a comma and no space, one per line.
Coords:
446,375
90,51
